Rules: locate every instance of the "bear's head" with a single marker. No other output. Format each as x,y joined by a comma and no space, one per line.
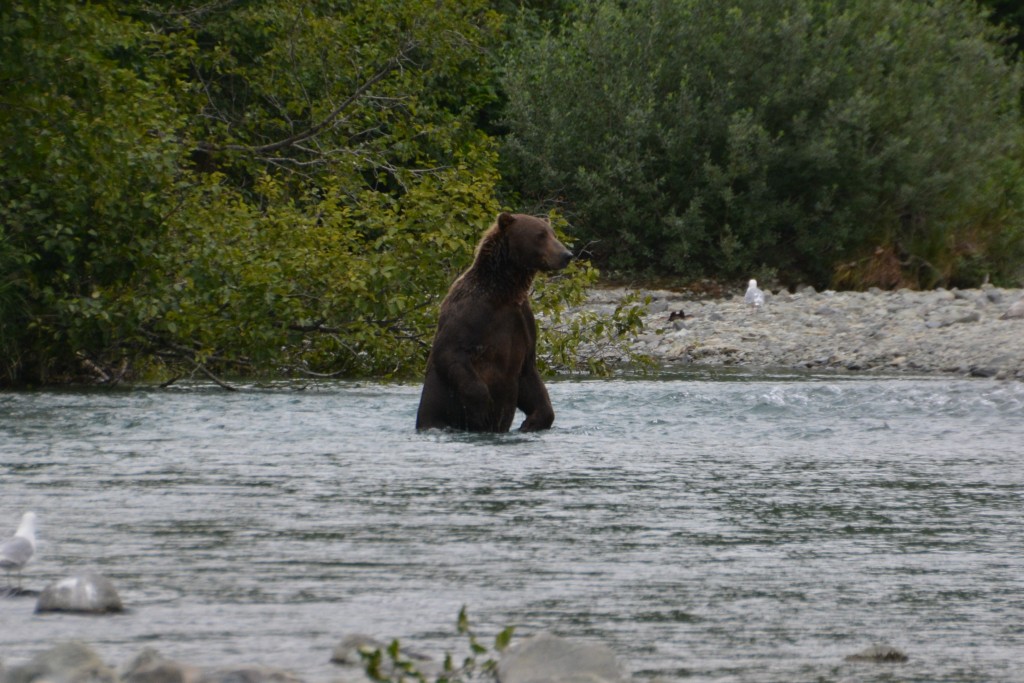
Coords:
528,243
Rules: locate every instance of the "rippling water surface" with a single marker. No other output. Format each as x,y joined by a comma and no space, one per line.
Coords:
728,527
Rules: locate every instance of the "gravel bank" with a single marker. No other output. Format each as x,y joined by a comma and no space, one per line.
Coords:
965,332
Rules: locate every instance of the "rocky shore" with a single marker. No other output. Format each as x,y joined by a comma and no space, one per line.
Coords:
977,332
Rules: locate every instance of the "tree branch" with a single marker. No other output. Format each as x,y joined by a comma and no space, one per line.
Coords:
216,380
381,73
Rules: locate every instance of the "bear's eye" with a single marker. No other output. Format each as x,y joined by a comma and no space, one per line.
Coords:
541,236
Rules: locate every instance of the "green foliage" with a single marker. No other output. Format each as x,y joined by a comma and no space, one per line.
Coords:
1008,13
257,189
337,188
391,665
702,137
89,134
573,339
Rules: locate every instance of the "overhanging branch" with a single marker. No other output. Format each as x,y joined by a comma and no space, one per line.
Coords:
392,64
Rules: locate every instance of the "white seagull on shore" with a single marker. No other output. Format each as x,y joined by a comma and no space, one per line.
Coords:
754,296
17,550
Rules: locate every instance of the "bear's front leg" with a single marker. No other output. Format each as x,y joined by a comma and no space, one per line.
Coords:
535,402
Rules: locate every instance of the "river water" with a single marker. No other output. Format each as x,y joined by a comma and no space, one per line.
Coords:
710,527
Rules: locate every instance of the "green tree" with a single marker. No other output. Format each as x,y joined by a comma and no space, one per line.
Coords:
339,186
258,189
1010,14
853,143
90,149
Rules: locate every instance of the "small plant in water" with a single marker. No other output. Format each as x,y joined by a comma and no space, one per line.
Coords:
391,665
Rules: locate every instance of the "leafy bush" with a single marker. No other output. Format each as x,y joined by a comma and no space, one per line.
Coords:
89,153
792,136
266,188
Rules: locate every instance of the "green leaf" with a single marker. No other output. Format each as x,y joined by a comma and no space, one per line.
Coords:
502,640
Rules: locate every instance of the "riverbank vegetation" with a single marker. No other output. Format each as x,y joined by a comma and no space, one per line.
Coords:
270,188
851,143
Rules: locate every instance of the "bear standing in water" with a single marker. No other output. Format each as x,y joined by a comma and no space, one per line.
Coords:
483,365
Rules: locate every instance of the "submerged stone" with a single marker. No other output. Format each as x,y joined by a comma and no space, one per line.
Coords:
88,592
878,653
547,658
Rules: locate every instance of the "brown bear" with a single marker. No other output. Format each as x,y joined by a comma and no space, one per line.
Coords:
483,365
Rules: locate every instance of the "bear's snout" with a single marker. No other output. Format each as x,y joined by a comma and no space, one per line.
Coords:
556,257
564,259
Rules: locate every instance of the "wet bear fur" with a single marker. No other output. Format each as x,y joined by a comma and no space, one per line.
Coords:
482,364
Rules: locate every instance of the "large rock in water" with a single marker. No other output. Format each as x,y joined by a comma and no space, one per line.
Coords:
71,662
89,592
546,658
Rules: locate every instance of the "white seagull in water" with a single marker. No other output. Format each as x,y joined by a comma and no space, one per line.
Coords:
17,550
754,296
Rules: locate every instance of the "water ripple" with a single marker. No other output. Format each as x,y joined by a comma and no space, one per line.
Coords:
738,527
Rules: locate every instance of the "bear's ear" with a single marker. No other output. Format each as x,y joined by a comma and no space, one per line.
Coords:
505,220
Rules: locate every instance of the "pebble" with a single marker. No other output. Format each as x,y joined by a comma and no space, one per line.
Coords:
965,332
